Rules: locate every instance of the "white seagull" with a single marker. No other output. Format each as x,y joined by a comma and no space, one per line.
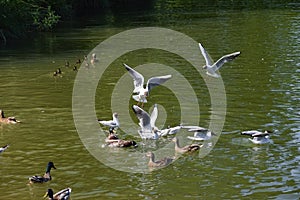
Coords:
200,133
212,67
94,59
138,81
258,137
147,122
169,131
114,123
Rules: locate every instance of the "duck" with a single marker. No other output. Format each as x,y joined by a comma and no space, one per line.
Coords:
46,177
211,67
258,137
138,81
3,148
114,123
121,143
67,64
111,135
7,120
185,149
159,163
61,195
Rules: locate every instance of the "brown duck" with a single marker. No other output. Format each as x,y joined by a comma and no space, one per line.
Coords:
185,149
159,163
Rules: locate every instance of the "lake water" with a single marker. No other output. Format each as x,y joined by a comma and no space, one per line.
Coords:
262,90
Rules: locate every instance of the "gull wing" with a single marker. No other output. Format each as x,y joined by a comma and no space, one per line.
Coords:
143,117
153,116
138,79
207,58
155,81
251,133
225,59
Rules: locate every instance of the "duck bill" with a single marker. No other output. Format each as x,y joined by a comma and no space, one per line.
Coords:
46,195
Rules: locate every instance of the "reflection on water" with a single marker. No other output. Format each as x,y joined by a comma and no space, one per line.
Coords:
262,88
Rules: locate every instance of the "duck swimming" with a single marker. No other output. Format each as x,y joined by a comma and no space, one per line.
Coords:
61,195
159,163
187,148
3,148
258,137
46,177
7,120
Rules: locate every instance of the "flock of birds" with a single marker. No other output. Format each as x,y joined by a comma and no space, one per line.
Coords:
148,129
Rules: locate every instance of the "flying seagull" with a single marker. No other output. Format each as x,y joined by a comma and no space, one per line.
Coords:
211,67
138,81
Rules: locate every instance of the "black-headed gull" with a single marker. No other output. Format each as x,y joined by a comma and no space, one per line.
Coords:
169,131
138,81
258,137
212,67
200,133
147,122
111,123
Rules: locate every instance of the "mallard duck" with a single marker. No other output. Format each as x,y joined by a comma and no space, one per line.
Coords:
46,177
185,149
3,148
61,195
159,163
258,137
121,143
7,120
111,123
111,135
212,67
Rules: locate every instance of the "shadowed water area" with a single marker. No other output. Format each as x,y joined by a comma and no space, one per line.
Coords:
262,90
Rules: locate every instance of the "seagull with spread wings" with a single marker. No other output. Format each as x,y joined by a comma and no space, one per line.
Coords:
211,67
142,93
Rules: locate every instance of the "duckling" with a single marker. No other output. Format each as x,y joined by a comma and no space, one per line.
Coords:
185,149
94,59
61,195
3,148
67,64
258,137
7,120
57,72
46,177
159,163
78,61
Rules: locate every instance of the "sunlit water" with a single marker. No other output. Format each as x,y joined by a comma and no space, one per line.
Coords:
262,89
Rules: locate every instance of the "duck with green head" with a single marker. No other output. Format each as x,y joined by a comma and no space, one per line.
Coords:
45,178
61,195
